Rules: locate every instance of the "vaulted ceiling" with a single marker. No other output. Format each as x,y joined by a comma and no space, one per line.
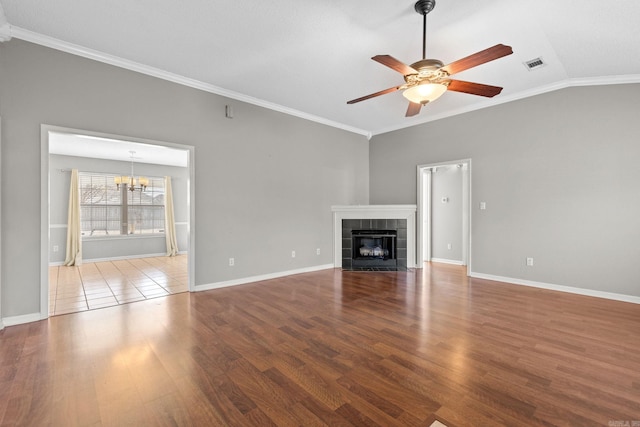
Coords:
307,58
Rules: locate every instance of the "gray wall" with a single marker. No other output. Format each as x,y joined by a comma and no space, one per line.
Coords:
559,173
446,218
111,247
264,181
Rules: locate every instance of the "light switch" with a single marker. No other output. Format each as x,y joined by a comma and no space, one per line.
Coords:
483,206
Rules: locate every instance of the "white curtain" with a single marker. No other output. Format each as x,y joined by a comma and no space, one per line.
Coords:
74,235
169,220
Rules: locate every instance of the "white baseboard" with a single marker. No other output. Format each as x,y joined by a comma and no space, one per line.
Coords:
252,279
561,288
117,258
447,261
19,320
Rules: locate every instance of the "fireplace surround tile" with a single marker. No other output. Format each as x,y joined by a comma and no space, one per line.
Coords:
399,226
401,218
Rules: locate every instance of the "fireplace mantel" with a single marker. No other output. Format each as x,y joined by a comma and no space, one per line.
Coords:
407,212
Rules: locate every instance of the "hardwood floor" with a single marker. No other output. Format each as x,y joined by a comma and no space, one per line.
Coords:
96,285
332,348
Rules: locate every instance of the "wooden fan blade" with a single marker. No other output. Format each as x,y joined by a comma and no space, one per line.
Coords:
373,95
478,58
393,63
474,88
413,109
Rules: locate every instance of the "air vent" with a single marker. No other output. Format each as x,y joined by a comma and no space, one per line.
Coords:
534,64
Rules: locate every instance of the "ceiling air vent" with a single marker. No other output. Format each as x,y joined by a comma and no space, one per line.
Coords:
534,64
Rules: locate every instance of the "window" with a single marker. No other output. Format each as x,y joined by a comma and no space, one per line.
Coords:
106,210
145,209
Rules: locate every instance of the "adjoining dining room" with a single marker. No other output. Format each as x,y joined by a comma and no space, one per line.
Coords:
118,220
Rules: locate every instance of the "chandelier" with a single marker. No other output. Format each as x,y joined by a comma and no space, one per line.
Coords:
131,182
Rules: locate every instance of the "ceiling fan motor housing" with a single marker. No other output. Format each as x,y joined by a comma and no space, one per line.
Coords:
429,71
427,64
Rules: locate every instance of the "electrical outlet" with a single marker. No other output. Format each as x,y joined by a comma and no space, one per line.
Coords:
318,251
293,254
56,248
232,262
449,246
483,206
530,262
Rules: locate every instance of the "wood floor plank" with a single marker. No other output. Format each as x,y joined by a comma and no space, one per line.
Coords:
256,417
396,393
355,417
311,381
201,409
268,395
323,348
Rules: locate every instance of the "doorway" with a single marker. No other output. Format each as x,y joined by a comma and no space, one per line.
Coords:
444,213
92,154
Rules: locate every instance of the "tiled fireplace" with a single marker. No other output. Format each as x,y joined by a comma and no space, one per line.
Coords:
374,237
374,243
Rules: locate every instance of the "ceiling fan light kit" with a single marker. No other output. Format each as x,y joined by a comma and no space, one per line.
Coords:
426,80
424,92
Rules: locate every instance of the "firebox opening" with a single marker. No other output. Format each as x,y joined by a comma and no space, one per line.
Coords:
374,248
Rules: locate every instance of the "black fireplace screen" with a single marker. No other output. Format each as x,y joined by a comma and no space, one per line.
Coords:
374,244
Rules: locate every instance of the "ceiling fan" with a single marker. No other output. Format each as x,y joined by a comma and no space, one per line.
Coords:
427,79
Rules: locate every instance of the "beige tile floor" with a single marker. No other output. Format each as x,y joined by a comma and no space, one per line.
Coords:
104,284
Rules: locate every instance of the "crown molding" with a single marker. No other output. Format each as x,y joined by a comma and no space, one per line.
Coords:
605,80
563,84
95,55
7,32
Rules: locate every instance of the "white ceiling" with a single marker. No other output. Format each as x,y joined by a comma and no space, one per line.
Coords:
70,144
307,58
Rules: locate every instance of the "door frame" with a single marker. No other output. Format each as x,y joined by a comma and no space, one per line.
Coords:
424,203
44,203
1,323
